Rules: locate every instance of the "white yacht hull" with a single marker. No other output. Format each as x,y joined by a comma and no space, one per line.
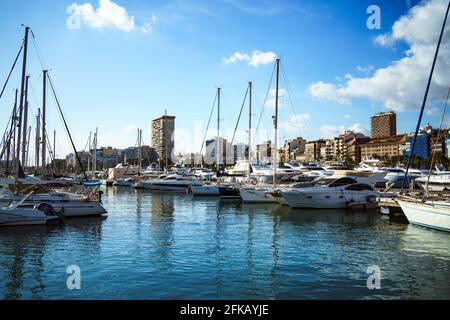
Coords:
206,190
433,216
324,200
436,183
69,208
277,197
255,196
122,183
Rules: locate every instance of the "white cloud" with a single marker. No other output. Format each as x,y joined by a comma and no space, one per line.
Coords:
108,15
270,102
130,128
400,85
297,123
368,69
255,59
147,27
330,131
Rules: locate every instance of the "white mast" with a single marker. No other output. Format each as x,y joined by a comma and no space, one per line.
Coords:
249,127
94,164
38,139
275,124
139,150
89,154
218,132
166,140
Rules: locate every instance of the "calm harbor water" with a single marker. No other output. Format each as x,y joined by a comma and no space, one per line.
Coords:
171,246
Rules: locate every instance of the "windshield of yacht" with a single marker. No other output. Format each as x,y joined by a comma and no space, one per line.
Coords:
333,182
324,181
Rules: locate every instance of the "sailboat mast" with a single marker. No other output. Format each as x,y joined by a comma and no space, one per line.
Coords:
12,134
166,167
250,88
139,150
90,152
22,86
44,101
28,146
25,124
94,164
218,132
38,139
54,145
275,125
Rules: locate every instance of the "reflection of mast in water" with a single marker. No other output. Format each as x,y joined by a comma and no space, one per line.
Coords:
250,241
276,254
15,278
218,253
161,224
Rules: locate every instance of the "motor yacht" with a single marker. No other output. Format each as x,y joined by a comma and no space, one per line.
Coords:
173,182
436,182
330,193
395,176
256,194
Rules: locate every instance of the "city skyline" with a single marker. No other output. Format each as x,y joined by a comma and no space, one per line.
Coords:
127,88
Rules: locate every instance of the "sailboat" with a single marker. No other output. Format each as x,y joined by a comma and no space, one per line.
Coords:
259,194
431,213
211,189
72,204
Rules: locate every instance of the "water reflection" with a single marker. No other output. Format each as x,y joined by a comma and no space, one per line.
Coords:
162,228
19,259
165,245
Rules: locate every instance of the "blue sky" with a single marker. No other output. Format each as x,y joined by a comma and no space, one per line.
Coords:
121,68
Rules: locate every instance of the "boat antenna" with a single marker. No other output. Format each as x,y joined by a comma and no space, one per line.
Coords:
425,98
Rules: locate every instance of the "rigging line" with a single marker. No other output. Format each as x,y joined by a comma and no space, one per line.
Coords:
67,128
8,125
437,139
257,106
209,120
10,72
425,95
265,99
288,86
7,142
36,48
237,123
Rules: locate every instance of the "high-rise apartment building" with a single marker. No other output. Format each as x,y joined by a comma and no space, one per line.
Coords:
383,125
162,137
